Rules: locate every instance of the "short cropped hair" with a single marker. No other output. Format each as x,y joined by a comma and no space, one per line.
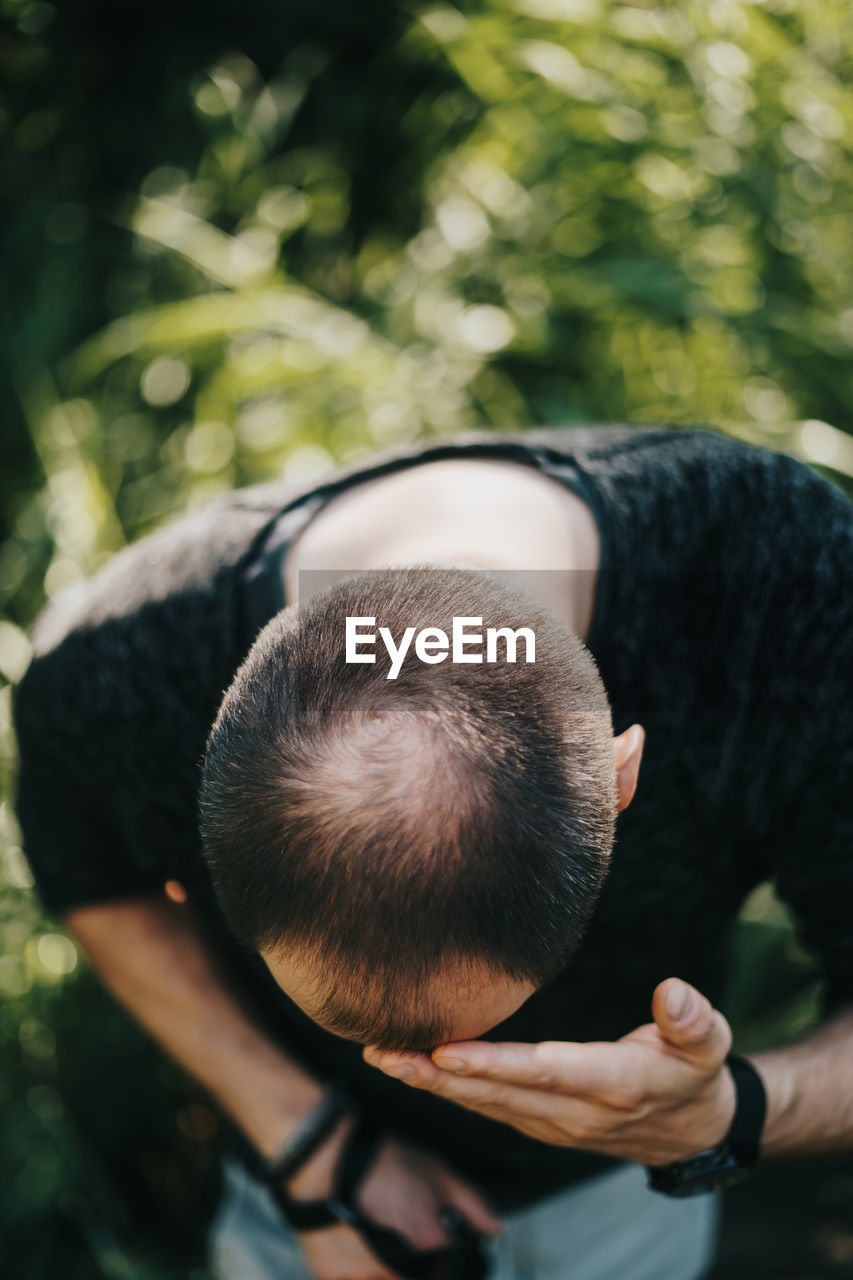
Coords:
382,829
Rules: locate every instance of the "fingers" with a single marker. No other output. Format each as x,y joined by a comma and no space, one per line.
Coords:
474,1092
687,1019
552,1064
473,1206
402,1066
554,1116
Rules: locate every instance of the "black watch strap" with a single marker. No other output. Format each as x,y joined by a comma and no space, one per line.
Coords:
744,1136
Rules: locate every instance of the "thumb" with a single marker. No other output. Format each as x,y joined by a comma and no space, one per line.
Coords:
687,1019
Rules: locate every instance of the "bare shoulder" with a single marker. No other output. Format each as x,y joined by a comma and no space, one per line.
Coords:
489,512
449,503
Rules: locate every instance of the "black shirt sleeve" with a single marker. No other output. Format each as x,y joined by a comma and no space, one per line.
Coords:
69,798
113,713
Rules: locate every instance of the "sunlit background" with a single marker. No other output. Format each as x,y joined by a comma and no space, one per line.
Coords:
258,241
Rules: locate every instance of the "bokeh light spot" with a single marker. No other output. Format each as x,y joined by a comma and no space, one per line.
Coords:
165,381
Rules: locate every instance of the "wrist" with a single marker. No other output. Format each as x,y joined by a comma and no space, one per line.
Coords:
315,1179
302,1159
780,1083
274,1121
728,1160
707,1120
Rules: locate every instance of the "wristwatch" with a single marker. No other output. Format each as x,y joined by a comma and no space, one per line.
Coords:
730,1162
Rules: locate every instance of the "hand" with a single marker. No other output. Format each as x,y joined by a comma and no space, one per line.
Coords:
405,1189
659,1094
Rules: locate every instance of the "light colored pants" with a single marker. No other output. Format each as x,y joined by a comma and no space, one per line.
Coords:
607,1228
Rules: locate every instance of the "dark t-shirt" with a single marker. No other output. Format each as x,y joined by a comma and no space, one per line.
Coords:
723,623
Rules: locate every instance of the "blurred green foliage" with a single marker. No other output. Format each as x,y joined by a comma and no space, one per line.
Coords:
246,244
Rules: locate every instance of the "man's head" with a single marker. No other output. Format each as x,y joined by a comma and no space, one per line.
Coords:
412,857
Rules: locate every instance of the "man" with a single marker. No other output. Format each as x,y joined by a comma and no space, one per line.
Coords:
390,868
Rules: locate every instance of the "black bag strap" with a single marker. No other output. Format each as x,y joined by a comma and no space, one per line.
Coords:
358,1154
463,1261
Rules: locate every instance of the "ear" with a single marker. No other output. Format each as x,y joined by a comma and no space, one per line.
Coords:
627,753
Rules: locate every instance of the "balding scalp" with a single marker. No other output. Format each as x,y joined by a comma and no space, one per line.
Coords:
382,827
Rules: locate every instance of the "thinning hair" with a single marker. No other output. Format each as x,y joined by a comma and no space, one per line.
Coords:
381,830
